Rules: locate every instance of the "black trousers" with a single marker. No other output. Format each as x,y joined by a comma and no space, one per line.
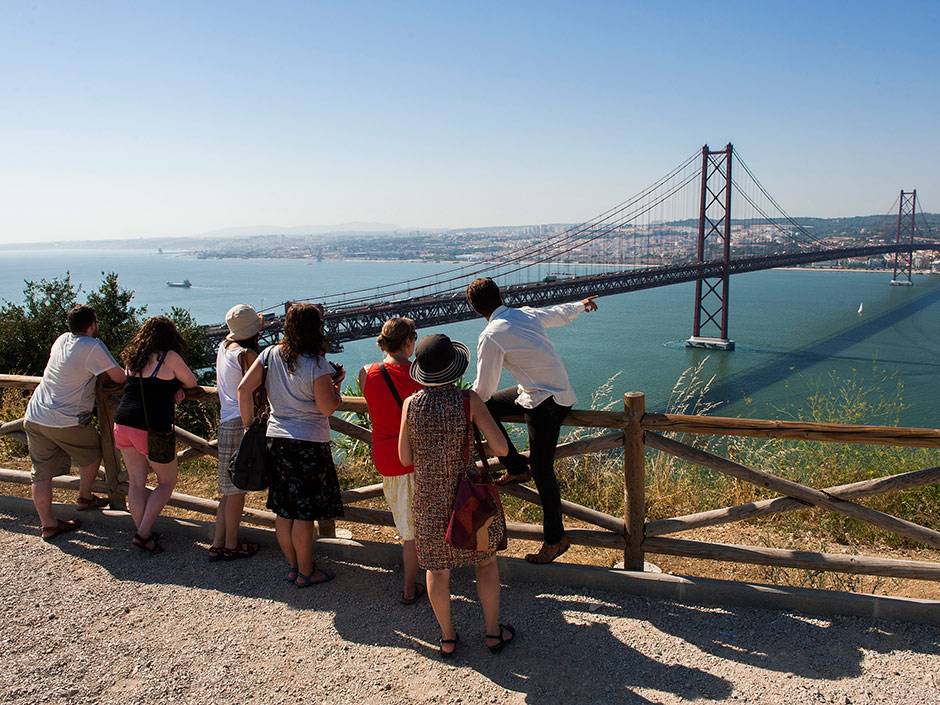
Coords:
544,424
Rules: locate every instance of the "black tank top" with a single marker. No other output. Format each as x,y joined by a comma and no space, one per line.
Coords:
158,395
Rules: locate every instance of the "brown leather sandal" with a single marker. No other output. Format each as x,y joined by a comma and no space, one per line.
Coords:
242,550
63,526
84,504
510,479
549,552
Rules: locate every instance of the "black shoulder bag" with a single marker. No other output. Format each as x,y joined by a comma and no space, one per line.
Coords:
391,385
249,467
161,445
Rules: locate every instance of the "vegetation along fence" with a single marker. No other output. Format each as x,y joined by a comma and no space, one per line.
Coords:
634,431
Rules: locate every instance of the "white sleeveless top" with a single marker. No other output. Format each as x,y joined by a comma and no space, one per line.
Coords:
228,373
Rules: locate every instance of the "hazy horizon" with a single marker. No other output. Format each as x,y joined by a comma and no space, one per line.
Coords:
169,120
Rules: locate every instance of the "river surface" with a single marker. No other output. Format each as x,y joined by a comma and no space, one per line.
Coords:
796,331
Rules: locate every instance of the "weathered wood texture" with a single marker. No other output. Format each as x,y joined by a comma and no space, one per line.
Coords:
572,509
105,406
808,560
797,430
634,479
767,507
795,490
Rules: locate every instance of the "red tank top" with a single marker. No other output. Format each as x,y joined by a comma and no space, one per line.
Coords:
386,415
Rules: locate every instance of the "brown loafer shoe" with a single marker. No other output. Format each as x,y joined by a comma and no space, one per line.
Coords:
549,552
510,479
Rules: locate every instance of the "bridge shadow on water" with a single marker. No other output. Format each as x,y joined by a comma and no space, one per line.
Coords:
785,364
571,647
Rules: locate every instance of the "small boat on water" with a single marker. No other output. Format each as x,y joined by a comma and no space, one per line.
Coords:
185,284
861,309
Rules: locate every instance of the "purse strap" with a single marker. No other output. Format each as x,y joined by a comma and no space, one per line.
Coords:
477,439
391,385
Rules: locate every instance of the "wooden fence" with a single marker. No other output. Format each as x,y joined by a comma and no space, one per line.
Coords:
635,431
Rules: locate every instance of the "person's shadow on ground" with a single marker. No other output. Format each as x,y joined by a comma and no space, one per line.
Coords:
567,648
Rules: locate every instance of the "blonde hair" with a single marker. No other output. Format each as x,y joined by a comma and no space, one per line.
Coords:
395,333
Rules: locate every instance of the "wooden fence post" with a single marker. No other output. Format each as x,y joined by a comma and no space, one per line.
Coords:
634,479
109,452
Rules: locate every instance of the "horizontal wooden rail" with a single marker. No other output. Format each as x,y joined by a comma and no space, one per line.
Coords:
795,490
796,430
767,507
807,560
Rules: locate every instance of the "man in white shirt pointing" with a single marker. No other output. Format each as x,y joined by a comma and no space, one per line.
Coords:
515,339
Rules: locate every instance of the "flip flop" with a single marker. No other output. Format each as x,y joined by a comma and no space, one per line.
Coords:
419,593
549,553
64,526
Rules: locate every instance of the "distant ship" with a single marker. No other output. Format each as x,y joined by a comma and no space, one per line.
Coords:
861,309
185,284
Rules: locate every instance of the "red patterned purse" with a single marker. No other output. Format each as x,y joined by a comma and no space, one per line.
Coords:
477,522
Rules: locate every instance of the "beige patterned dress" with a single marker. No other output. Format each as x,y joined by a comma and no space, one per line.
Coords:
440,437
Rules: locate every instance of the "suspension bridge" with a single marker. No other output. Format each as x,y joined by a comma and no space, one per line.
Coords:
678,229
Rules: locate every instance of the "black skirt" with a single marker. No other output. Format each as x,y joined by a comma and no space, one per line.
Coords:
303,483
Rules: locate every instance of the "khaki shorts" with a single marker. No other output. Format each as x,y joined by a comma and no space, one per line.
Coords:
399,492
54,450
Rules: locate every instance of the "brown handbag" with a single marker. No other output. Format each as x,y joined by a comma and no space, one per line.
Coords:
477,521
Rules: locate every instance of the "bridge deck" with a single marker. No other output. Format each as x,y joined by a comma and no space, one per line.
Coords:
344,324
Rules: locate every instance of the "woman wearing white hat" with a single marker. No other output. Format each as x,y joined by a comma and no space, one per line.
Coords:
235,355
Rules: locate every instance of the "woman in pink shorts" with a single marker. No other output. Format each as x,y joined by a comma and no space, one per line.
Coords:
156,374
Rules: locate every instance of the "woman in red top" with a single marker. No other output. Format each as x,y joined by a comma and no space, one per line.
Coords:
386,385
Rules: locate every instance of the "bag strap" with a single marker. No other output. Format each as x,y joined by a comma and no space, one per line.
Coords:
391,385
159,364
477,439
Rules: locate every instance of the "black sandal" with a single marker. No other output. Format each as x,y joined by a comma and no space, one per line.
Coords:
496,648
216,553
419,593
151,544
448,654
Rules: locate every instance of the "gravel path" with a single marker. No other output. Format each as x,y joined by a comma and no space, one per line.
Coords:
88,621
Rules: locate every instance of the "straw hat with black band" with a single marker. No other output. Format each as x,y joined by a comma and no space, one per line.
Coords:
439,361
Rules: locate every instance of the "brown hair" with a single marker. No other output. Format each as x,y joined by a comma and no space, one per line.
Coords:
80,318
483,296
158,334
395,333
303,334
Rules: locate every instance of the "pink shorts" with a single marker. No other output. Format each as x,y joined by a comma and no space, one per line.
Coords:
128,437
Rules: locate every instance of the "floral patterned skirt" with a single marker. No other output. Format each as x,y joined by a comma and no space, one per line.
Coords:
303,483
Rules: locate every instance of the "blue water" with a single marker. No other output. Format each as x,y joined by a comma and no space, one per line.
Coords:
795,330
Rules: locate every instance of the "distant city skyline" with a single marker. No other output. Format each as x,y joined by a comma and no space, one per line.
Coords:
175,119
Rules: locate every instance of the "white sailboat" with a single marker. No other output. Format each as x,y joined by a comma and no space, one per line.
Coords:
861,309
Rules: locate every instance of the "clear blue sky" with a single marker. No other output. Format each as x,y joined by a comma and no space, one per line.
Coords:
164,118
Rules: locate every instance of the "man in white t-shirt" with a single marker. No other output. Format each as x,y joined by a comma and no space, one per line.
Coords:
58,418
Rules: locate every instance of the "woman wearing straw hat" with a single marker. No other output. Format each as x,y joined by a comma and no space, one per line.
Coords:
235,355
436,434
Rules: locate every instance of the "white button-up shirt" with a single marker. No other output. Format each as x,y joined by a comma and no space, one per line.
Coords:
515,338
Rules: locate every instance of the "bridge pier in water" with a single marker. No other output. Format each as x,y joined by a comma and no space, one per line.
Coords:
710,317
904,259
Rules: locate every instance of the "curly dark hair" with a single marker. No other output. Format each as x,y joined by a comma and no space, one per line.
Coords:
303,334
156,335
